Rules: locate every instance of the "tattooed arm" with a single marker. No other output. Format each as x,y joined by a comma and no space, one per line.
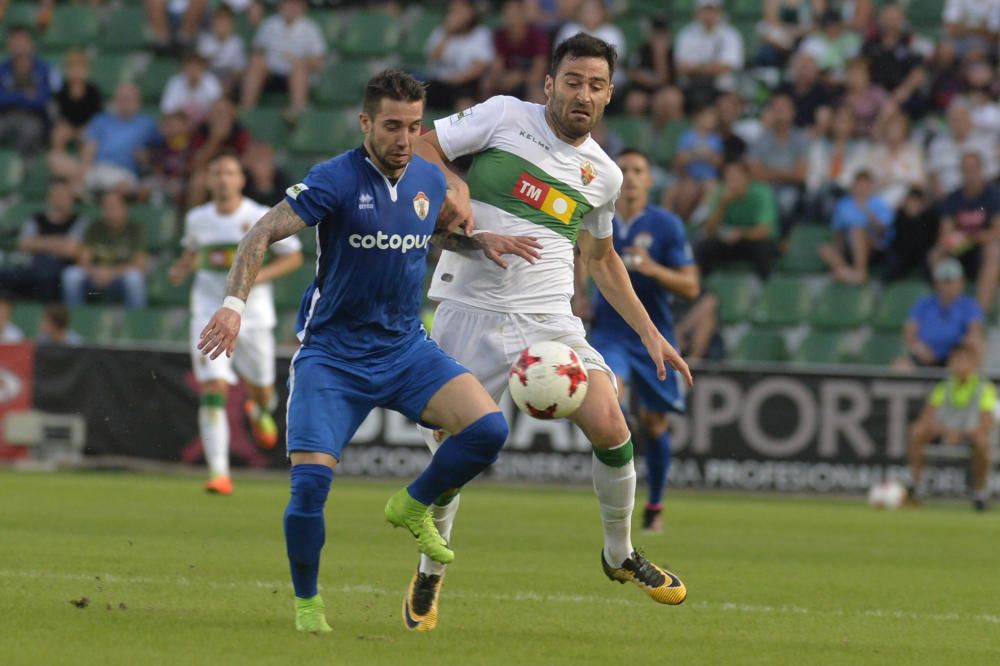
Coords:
494,246
219,334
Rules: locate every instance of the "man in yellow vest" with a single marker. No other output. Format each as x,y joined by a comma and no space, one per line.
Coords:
960,409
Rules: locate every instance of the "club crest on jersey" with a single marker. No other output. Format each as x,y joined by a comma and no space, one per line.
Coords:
644,240
587,172
422,205
366,202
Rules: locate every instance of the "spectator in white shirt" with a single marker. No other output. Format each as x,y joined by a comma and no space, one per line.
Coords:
972,25
223,49
191,91
459,53
592,19
708,52
287,50
944,156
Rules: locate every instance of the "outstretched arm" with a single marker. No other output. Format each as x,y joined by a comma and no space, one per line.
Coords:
494,246
219,334
611,277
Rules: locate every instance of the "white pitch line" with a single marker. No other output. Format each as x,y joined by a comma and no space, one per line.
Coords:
520,597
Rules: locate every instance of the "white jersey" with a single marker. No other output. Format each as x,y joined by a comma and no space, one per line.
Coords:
215,237
524,181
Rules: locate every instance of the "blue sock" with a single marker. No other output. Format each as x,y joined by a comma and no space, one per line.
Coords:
305,531
657,465
461,458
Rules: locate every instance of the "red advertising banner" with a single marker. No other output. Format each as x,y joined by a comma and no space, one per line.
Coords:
17,371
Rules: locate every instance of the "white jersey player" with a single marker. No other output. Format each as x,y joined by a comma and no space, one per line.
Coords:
537,172
212,233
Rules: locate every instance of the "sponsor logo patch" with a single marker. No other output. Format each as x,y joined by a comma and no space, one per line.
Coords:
295,190
460,116
544,197
382,241
366,202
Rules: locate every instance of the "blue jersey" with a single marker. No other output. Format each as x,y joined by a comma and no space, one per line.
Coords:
372,237
662,234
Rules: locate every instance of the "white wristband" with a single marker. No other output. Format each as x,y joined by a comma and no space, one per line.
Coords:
234,304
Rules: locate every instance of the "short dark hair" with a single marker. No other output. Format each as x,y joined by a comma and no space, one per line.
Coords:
863,174
625,152
582,45
58,314
393,84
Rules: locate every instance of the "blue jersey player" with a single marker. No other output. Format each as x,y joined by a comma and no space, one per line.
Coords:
652,244
374,209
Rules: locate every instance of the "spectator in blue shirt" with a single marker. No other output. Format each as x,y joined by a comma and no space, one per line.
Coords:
700,153
942,321
862,225
26,85
115,146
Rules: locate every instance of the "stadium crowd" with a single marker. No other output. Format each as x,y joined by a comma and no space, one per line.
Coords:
850,147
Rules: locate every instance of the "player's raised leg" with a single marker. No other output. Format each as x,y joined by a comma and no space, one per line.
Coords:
601,419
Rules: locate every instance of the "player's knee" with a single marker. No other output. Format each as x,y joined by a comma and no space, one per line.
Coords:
486,436
310,485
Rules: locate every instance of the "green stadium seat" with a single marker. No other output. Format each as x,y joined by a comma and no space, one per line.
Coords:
35,185
802,255
21,14
108,70
72,26
126,30
331,23
881,349
843,306
153,79
745,10
648,7
412,47
11,172
284,332
324,132
308,240
634,30
296,167
759,347
735,292
95,323
370,35
13,219
894,307
664,146
820,347
160,223
682,11
925,12
342,83
633,132
155,325
783,302
289,289
162,292
26,316
265,125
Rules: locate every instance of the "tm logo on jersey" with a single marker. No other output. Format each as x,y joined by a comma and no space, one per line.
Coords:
544,197
382,241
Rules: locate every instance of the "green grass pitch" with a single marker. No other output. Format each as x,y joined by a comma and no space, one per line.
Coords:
177,577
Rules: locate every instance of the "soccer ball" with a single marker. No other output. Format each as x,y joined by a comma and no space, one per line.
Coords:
548,381
887,495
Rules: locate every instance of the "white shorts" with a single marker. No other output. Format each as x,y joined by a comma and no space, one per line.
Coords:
487,343
253,358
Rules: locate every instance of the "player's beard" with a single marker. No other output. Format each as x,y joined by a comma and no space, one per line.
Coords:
387,160
570,125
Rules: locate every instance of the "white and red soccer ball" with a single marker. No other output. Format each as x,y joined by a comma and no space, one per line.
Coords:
887,495
548,381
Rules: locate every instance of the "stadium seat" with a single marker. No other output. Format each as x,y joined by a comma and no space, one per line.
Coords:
648,7
820,347
370,35
26,316
324,132
331,23
634,30
289,289
664,146
843,306
881,349
802,255
682,11
342,84
162,292
126,30
35,185
21,14
633,132
95,323
895,305
284,332
745,10
153,79
308,239
13,219
72,26
416,36
160,223
265,125
759,347
783,302
296,168
11,172
155,325
735,292
108,70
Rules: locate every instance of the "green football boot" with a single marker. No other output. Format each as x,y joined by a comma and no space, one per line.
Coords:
403,511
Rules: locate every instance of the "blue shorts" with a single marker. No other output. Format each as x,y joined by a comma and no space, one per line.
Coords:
632,365
329,398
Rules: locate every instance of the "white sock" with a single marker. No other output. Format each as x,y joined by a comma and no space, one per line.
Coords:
444,518
615,488
213,422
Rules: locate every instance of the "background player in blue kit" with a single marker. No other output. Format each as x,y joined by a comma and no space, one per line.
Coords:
652,244
363,344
